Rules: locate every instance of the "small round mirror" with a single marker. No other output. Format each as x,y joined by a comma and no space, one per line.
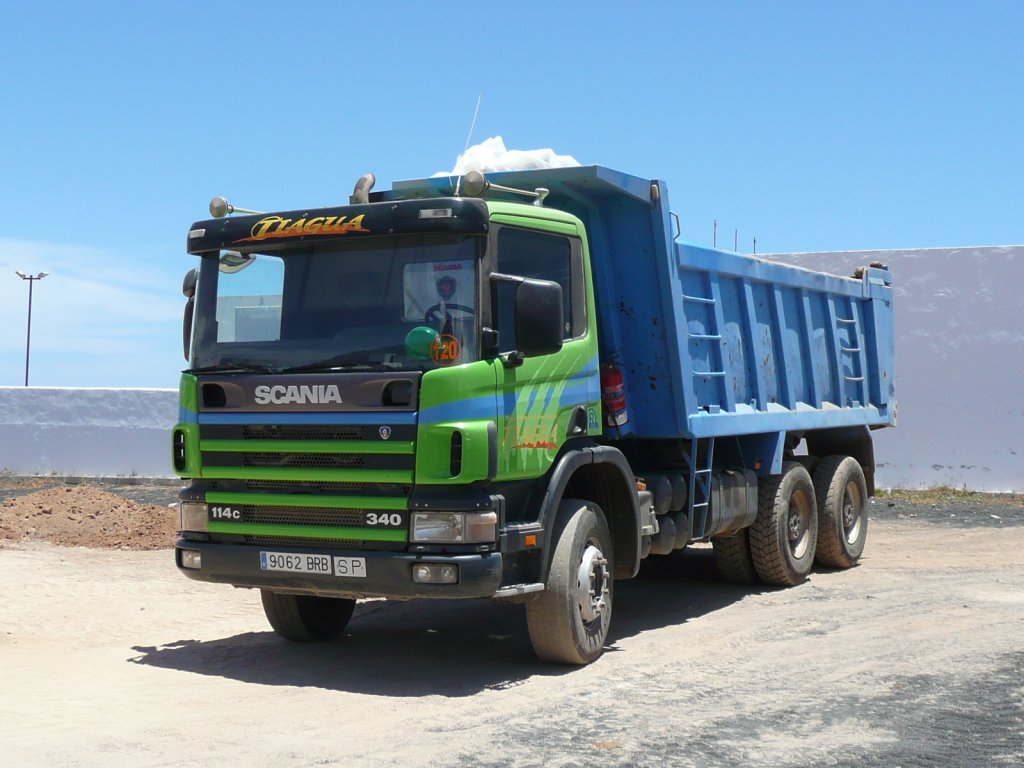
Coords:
474,184
219,207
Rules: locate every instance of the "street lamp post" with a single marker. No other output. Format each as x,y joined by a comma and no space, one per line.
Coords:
28,334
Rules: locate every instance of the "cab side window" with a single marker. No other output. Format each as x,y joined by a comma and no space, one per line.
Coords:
545,257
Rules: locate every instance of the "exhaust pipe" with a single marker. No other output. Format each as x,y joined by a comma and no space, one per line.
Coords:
361,194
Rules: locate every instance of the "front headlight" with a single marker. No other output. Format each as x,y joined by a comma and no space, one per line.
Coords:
192,516
454,527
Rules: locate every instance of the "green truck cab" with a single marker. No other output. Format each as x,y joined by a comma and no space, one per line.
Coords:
388,399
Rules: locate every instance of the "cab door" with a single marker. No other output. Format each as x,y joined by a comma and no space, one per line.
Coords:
545,400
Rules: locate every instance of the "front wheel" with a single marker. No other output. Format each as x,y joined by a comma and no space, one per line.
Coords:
569,621
305,617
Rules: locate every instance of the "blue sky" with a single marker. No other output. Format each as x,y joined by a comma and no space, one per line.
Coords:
810,125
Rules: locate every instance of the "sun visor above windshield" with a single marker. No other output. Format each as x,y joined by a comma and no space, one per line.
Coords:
271,230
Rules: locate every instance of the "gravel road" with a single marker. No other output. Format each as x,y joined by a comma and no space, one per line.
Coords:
912,659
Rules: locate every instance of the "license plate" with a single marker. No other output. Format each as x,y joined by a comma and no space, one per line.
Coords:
325,565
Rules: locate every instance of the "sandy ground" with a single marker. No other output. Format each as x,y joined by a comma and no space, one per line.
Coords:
915,658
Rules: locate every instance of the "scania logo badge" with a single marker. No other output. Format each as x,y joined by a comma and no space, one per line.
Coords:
385,432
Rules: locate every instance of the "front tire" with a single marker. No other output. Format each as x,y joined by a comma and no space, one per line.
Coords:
569,620
842,495
306,618
784,535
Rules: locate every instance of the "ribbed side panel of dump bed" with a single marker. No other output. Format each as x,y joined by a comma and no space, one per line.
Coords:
777,348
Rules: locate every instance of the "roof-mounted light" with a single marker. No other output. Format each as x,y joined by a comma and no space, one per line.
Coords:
436,213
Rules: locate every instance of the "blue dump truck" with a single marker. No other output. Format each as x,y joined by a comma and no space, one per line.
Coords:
516,387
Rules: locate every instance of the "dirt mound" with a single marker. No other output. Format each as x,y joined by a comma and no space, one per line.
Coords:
84,516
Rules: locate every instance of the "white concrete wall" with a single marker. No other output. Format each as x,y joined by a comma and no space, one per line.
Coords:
89,432
959,364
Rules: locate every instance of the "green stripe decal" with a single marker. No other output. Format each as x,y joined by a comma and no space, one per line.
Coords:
307,531
296,500
309,446
311,475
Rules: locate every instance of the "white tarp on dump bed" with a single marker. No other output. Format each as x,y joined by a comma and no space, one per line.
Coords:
490,156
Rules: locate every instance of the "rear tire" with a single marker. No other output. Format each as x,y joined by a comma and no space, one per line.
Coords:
732,558
785,532
569,620
307,618
842,495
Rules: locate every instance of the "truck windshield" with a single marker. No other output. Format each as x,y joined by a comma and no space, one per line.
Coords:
392,302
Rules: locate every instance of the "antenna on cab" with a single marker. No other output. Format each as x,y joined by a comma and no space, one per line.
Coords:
469,138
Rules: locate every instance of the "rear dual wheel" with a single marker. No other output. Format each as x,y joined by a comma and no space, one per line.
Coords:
784,535
732,557
842,495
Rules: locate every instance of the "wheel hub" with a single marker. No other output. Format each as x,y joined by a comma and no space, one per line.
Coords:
796,524
853,513
849,515
593,584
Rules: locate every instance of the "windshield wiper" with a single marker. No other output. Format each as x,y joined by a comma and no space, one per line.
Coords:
348,361
234,366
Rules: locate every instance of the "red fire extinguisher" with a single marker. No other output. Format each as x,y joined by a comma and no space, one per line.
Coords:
613,396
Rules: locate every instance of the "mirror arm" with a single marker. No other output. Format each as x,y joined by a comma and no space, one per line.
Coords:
512,359
489,342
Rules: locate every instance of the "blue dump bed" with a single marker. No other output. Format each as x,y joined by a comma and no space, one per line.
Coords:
713,343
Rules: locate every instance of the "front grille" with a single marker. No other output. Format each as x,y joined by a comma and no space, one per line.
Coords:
305,460
364,432
326,461
288,541
300,432
341,518
258,518
295,486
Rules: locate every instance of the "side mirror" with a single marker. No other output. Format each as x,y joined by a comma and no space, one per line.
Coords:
186,327
538,317
188,288
188,285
